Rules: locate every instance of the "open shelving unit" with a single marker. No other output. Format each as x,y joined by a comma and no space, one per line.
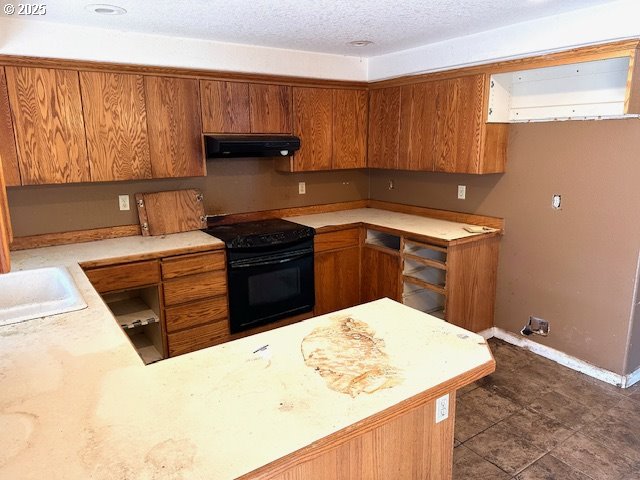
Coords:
424,277
138,314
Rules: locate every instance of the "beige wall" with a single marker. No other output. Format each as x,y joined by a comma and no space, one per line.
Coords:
231,186
575,267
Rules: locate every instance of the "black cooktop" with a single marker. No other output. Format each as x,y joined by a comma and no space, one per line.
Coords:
260,233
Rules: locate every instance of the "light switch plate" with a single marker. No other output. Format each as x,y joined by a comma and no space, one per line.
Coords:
442,408
302,188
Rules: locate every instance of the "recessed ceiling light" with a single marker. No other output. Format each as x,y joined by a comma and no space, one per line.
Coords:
104,9
360,43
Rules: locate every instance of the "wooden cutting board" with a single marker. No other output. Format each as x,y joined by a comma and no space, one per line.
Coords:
173,211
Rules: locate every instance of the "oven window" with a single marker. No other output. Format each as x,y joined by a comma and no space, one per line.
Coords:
271,287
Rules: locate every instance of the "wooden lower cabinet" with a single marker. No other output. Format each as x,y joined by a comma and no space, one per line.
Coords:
337,270
472,276
123,277
380,274
195,302
337,280
195,338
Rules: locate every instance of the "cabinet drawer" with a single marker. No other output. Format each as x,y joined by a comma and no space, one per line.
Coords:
173,267
337,240
122,277
195,287
196,313
198,337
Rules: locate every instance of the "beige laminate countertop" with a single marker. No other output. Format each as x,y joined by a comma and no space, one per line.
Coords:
77,402
424,226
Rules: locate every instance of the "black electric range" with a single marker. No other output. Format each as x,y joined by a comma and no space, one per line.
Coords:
269,270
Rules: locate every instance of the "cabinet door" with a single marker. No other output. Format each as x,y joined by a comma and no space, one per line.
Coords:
384,125
418,126
337,280
116,123
312,122
49,126
225,107
8,154
270,107
6,235
175,131
350,108
380,275
460,126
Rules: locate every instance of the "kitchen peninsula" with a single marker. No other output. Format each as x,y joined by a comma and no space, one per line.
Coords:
77,402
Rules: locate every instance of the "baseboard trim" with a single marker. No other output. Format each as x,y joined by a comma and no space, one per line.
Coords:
623,381
632,378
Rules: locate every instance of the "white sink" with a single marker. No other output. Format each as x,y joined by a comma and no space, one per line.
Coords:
41,292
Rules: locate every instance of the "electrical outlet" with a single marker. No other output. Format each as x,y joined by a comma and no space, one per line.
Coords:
123,201
556,201
462,192
302,188
442,408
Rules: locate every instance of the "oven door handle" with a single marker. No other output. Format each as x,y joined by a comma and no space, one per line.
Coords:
258,263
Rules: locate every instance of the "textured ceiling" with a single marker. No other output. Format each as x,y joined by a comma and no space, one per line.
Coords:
319,26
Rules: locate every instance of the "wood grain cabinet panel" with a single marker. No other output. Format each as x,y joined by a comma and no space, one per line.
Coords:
384,127
202,336
225,107
270,107
116,124
459,138
442,128
337,280
180,266
196,313
125,276
323,242
380,275
174,126
312,122
418,126
194,287
332,126
471,278
350,113
8,153
50,134
6,236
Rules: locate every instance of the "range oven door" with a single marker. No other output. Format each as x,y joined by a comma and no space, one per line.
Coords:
270,284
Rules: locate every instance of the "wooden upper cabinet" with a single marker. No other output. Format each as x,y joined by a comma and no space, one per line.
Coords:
350,113
174,127
460,125
312,122
8,154
418,126
270,107
384,126
116,124
50,135
225,107
442,128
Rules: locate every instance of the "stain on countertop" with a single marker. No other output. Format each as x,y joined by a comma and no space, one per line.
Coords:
349,357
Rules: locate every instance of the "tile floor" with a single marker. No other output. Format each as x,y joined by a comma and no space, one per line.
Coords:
533,419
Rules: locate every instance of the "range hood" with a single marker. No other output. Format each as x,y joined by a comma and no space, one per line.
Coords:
234,146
